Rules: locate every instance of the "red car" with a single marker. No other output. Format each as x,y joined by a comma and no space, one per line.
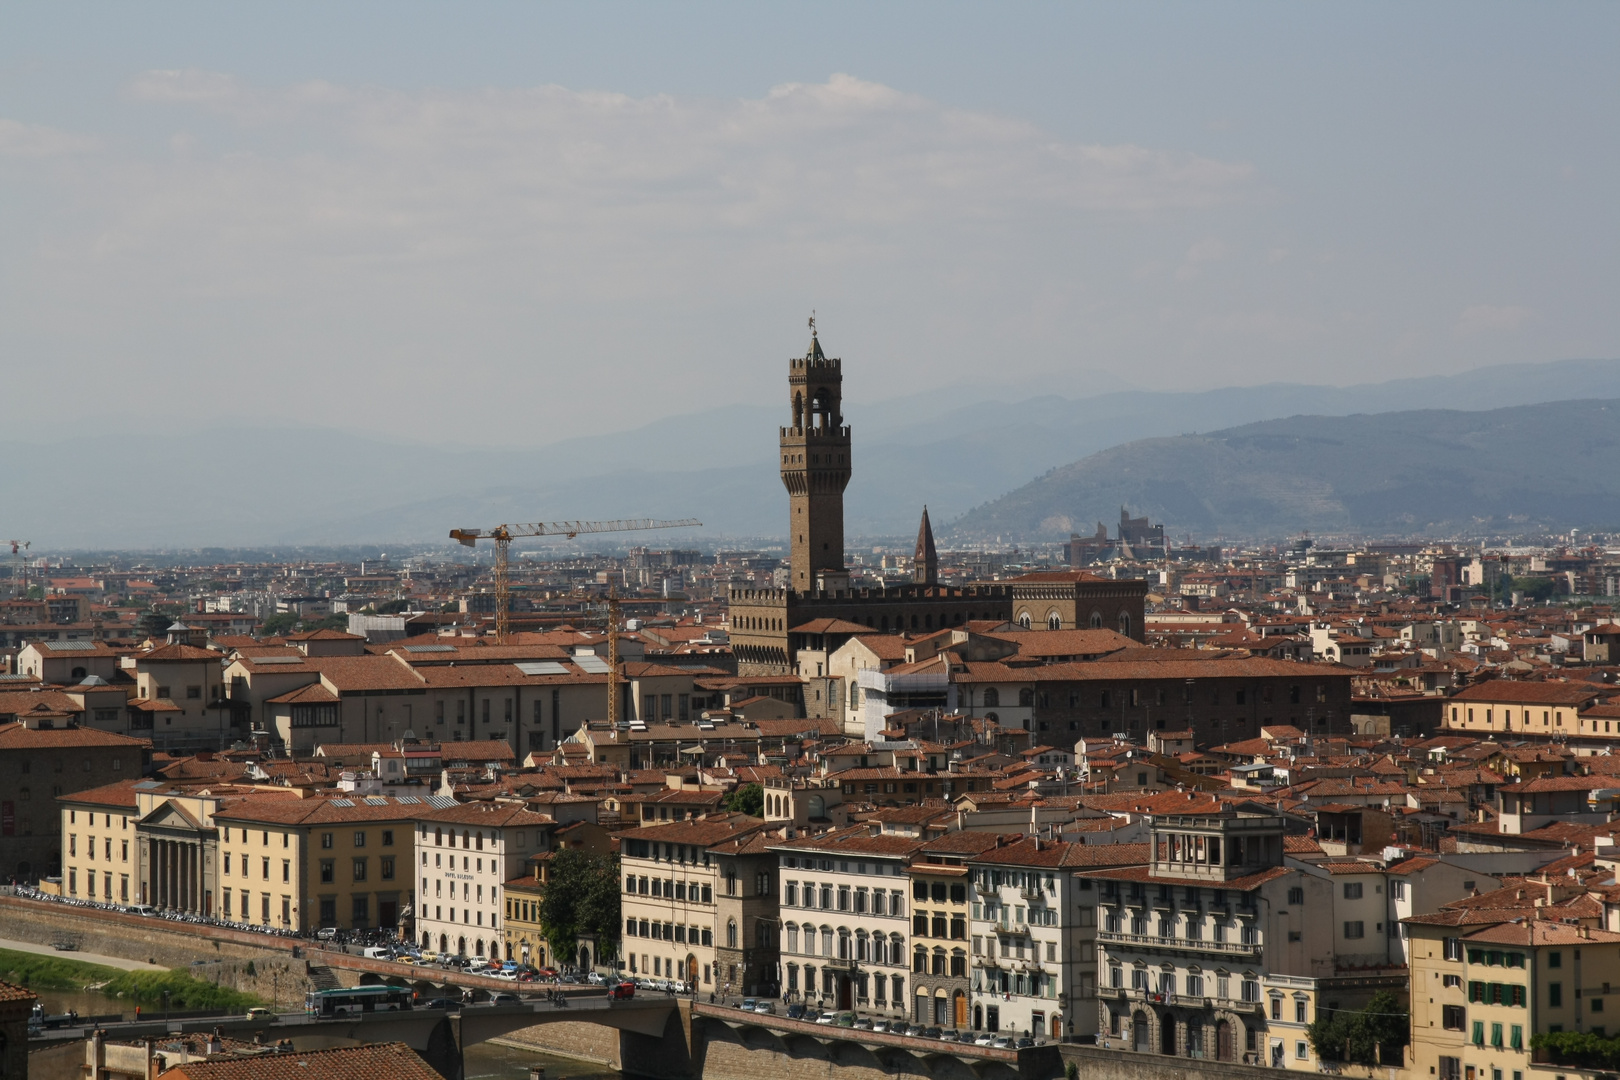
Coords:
548,973
623,990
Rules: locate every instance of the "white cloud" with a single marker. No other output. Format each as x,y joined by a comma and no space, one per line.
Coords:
34,141
1489,319
329,232
1206,251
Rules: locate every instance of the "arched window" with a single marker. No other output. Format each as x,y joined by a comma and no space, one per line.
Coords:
1023,619
1054,621
731,933
1125,623
992,698
919,960
1096,620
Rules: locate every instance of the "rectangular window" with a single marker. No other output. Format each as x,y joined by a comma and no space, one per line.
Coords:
326,871
1454,1017
1352,890
1555,994
359,869
1355,929
387,868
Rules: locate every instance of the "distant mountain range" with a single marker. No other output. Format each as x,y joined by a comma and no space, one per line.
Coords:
1429,472
951,447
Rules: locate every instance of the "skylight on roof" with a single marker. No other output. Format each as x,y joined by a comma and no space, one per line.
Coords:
276,659
541,667
342,802
592,664
429,648
71,646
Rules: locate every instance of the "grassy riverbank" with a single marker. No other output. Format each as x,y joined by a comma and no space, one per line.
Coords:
143,988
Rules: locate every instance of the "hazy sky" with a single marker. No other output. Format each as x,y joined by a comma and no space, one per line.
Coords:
516,222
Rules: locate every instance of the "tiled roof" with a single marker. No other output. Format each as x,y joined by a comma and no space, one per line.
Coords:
701,832
8,992
1529,693
18,736
396,1061
120,795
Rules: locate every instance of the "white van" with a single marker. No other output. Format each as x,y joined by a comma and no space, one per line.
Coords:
377,952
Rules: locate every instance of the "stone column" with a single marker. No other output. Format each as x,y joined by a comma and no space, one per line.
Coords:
161,874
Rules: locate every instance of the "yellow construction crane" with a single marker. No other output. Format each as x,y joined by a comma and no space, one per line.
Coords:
19,577
504,534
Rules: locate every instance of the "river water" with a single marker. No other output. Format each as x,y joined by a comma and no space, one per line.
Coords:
487,1061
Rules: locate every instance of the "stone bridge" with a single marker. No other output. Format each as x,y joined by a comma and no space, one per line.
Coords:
798,1047
437,1035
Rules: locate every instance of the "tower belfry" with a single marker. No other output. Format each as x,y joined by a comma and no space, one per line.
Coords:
815,470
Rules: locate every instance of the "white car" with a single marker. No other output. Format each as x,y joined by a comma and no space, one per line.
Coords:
596,978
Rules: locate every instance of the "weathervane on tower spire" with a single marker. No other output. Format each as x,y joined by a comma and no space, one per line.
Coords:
812,322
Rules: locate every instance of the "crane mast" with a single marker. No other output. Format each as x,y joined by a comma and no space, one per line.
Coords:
504,534
19,577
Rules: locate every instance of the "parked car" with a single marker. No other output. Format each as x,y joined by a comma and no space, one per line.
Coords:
746,1006
1005,1043
863,1024
503,998
880,1025
987,1038
1026,1041
546,972
596,978
928,1033
623,990
796,1012
259,1014
968,1037
141,909
827,1018
846,1019
442,1003
377,952
765,1007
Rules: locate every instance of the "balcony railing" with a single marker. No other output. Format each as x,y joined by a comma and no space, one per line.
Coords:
1185,1001
1153,941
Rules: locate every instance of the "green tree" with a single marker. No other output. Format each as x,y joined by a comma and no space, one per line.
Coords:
748,799
581,900
1360,1036
1579,1048
276,625
393,607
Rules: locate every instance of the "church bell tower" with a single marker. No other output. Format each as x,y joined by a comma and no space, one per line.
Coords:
815,470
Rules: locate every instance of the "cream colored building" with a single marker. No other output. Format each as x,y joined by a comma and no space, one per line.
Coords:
670,901
464,855
323,861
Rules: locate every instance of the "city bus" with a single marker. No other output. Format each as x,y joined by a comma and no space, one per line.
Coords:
358,999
